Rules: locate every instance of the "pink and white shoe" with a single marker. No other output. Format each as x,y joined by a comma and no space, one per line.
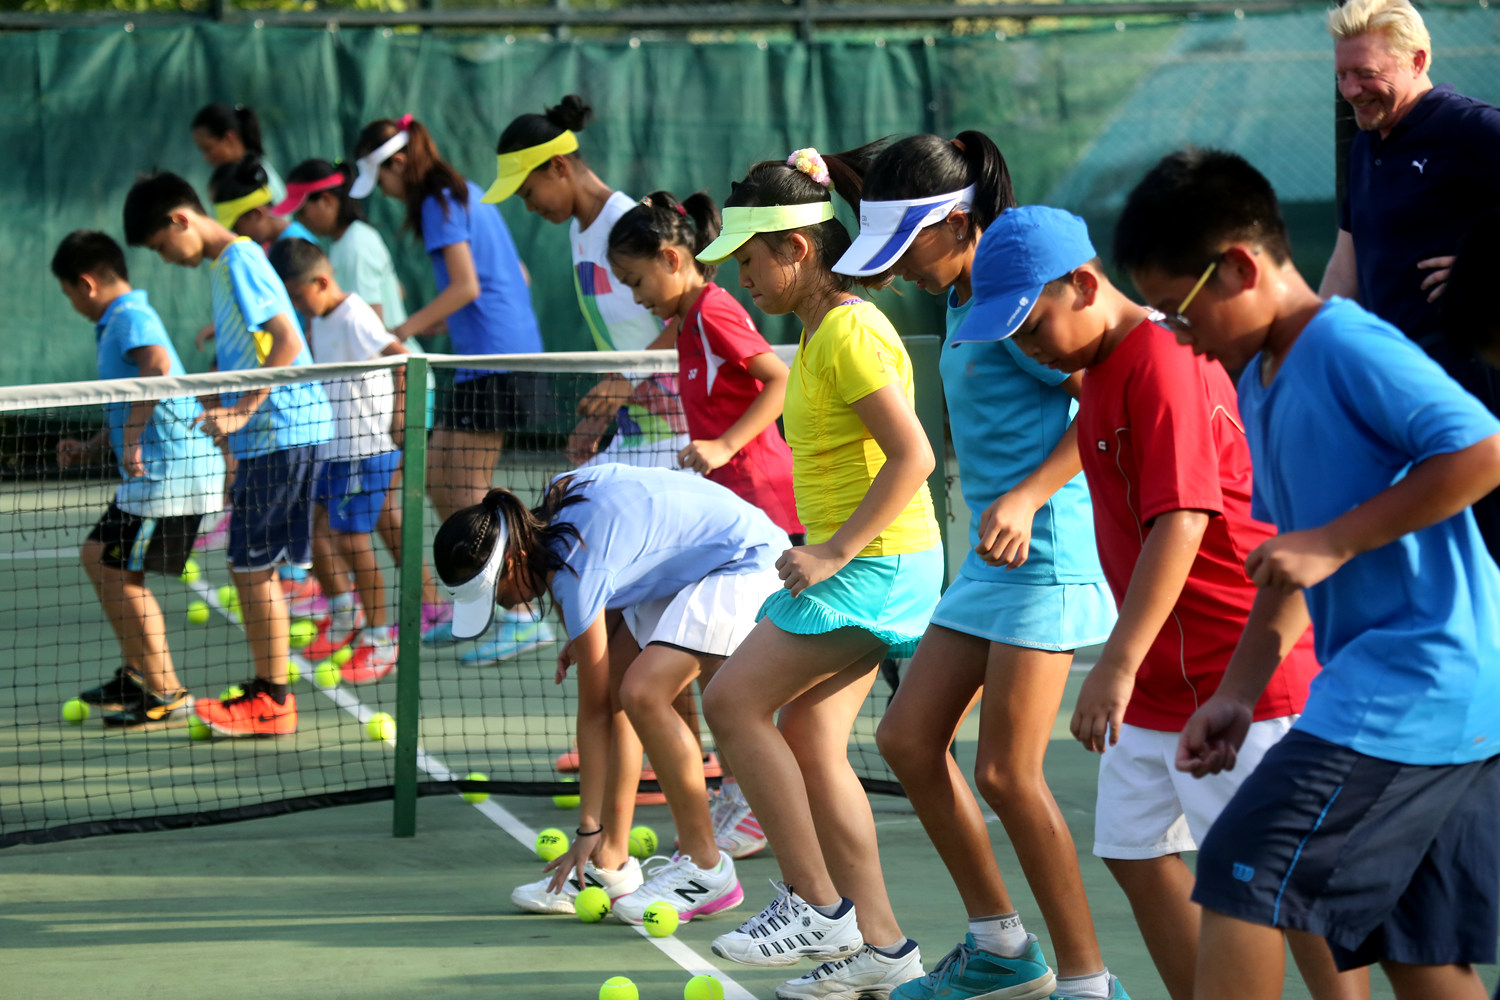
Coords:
694,891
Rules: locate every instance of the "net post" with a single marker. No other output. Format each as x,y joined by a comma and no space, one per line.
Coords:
409,605
928,386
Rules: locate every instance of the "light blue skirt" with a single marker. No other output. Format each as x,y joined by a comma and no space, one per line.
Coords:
1059,616
890,597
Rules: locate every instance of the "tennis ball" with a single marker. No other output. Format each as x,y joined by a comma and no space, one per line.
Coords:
566,801
303,633
198,729
619,988
591,905
381,727
197,613
474,797
293,672
703,988
191,571
642,842
551,844
75,711
343,654
228,596
327,674
660,919
232,692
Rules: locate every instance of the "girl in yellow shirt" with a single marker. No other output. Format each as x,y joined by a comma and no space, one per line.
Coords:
862,588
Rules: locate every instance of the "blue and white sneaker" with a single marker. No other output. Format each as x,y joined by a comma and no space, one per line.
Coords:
866,975
511,639
966,973
1116,992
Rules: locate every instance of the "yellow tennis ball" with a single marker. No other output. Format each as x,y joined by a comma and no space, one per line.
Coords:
703,988
191,571
75,711
197,613
566,801
232,692
293,672
228,596
303,633
381,727
198,729
660,919
591,905
551,844
618,988
642,842
343,654
326,674
475,797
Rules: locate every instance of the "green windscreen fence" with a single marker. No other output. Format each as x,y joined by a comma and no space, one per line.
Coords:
1079,114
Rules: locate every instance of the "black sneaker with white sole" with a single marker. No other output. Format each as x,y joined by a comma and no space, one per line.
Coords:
115,692
149,710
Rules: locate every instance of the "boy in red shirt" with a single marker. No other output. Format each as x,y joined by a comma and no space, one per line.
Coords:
1168,469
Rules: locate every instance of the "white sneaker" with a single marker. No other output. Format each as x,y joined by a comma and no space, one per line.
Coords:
865,975
696,892
534,897
789,930
736,830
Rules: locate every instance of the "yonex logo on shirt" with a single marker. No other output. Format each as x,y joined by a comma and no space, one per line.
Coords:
1103,445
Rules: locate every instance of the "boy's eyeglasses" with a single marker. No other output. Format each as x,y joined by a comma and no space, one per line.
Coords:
1177,321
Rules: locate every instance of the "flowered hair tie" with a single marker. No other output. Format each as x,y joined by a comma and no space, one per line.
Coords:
404,122
810,162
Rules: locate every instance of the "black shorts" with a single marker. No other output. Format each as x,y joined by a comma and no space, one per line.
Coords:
138,544
501,401
1384,860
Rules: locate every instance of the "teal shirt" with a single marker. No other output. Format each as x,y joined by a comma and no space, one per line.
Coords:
362,264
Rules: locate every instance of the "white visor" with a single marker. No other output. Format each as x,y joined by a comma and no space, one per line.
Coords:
887,228
369,164
474,600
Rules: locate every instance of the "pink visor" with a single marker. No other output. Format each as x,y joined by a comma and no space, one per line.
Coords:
296,193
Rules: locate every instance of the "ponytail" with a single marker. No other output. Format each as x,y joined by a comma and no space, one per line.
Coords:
466,540
317,170
660,220
570,114
237,178
219,119
923,166
425,173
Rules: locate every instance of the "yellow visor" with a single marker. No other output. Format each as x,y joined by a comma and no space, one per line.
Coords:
229,212
742,223
513,167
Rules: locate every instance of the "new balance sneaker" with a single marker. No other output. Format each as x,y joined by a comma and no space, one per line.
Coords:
119,689
967,972
696,892
1116,992
789,930
736,830
866,975
149,710
371,661
533,897
335,632
252,713
511,639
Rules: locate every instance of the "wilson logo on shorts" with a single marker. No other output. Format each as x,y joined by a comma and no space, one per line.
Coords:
1243,873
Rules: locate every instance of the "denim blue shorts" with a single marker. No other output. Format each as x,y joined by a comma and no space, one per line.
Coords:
353,491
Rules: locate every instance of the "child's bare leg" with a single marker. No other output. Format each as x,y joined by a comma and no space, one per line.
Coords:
1160,892
1235,958
389,527
1428,982
357,552
135,618
266,625
1324,980
622,773
328,564
460,467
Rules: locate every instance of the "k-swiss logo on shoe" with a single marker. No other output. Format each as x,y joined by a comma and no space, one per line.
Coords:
692,891
1421,165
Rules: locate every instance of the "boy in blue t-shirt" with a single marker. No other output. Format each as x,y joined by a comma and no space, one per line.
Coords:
272,432
172,475
1372,823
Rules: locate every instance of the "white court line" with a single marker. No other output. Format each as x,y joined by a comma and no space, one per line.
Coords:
686,958
37,555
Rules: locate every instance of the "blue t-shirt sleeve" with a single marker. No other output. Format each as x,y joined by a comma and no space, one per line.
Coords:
257,290
1400,395
132,328
1040,372
444,223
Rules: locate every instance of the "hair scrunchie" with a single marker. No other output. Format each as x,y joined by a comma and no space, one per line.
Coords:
810,162
404,122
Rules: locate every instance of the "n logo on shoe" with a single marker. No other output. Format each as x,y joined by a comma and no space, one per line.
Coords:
692,891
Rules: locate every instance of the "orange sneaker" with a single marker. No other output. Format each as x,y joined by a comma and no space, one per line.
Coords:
369,663
254,713
327,642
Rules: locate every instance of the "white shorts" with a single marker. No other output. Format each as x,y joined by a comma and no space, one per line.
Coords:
712,616
1146,808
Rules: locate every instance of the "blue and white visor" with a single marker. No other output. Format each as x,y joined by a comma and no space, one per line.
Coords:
887,228
474,599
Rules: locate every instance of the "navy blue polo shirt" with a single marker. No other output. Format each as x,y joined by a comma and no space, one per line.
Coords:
1414,195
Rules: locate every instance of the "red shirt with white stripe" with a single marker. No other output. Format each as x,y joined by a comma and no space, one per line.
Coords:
1159,431
716,339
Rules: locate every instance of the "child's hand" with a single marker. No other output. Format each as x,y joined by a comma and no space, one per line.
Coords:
398,430
1294,561
1101,705
803,566
1212,738
566,657
201,339
70,452
583,443
578,855
704,457
131,460
1005,530
606,398
1441,268
221,421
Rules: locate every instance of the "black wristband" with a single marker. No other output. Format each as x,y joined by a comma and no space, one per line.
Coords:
590,833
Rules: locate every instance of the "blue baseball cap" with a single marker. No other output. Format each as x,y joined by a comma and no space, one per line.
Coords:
1023,250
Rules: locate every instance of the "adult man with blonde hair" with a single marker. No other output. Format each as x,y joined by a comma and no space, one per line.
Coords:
1425,164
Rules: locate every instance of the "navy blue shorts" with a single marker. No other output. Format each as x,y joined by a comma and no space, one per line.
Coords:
1384,860
271,501
353,491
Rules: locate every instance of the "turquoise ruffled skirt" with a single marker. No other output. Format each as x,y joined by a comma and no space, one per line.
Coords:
890,597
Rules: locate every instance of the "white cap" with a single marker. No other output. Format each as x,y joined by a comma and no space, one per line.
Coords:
474,600
887,228
369,164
